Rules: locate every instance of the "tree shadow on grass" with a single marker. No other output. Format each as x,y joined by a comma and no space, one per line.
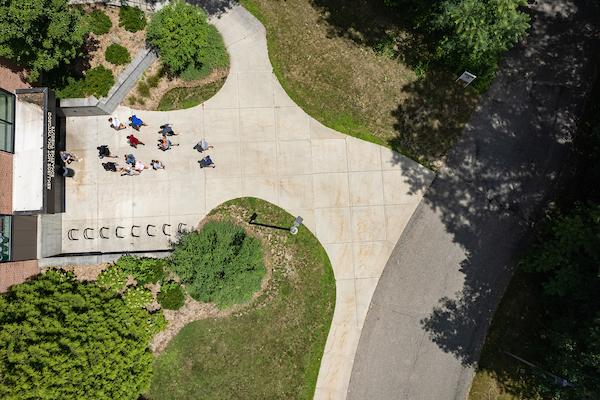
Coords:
432,118
387,30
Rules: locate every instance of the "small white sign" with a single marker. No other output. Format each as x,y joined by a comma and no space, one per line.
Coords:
466,78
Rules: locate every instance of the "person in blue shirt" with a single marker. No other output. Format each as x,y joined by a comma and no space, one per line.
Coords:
136,122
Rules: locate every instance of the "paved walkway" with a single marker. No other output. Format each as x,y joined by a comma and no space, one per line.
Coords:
353,195
431,310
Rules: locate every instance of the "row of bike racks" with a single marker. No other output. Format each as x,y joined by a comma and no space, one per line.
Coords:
120,231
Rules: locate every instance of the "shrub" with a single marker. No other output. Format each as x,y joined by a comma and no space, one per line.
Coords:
132,18
117,54
220,264
98,22
185,39
96,82
143,89
171,296
143,270
64,339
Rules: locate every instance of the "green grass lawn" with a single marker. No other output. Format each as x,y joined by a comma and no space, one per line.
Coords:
272,348
184,97
339,61
515,329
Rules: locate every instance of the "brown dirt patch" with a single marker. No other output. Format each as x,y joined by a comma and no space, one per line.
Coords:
166,83
133,41
12,76
83,273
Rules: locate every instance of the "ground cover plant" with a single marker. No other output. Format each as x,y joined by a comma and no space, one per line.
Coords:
60,338
270,348
131,18
361,69
219,264
117,54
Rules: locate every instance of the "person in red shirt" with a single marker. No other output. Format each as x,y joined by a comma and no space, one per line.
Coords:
133,141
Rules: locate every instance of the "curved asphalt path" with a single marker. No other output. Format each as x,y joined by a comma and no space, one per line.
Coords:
433,304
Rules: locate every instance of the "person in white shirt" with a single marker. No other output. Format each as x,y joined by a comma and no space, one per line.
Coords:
116,124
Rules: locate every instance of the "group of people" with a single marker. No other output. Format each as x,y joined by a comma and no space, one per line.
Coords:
132,165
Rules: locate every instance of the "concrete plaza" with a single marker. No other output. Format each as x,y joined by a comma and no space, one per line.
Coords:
353,195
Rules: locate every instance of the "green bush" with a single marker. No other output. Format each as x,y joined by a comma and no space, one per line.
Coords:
63,339
171,296
132,18
186,40
143,270
96,82
98,22
117,54
220,264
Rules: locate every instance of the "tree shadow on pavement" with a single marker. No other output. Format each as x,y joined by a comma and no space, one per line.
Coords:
214,8
506,167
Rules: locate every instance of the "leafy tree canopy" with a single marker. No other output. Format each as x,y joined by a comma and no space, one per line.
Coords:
220,264
62,339
40,34
476,32
182,34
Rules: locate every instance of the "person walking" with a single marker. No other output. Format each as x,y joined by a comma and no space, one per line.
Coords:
116,124
203,146
207,162
156,164
167,130
165,144
130,159
104,151
133,141
68,157
136,122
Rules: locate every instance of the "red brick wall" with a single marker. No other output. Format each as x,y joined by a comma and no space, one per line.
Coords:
12,273
6,171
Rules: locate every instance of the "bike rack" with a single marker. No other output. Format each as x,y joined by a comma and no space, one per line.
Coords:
70,234
117,232
163,229
86,235
102,232
148,230
132,228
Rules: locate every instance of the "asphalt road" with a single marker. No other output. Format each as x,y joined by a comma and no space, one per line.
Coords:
434,302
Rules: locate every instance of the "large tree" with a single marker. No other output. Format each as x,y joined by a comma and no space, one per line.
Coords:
62,339
40,35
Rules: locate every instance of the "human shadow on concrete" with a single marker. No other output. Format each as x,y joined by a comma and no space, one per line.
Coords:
506,167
